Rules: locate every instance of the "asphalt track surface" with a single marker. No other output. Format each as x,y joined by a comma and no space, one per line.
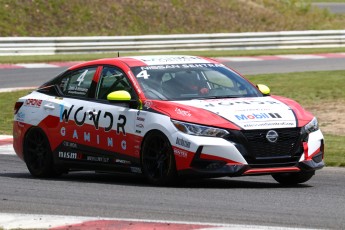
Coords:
37,76
320,203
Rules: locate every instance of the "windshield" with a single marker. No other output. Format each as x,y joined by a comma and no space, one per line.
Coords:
192,81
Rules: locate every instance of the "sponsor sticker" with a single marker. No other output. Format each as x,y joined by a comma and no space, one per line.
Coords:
183,112
253,116
70,155
175,66
180,153
80,116
124,145
148,104
182,142
269,124
135,170
120,161
98,159
70,144
20,116
168,60
33,103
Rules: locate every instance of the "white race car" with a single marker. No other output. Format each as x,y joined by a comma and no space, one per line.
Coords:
167,117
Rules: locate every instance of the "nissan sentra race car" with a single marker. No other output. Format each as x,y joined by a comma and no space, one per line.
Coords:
166,117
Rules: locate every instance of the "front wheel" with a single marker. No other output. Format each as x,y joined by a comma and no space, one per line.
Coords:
293,178
38,155
157,159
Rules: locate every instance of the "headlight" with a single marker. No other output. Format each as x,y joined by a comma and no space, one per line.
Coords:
199,130
312,126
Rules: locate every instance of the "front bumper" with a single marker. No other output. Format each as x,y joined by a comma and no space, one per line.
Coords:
226,157
246,170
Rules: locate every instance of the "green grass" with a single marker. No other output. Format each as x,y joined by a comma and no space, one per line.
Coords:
309,88
133,17
335,150
7,101
305,87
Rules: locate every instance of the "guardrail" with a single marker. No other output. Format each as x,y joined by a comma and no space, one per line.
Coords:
179,42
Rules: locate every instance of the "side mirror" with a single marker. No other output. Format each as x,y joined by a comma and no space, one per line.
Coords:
264,89
120,96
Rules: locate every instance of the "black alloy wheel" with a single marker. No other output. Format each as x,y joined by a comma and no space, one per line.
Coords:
38,155
157,159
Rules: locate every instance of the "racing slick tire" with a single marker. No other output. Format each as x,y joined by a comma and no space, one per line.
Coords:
157,159
38,155
293,178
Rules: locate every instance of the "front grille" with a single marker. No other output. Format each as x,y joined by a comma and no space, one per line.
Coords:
259,146
258,151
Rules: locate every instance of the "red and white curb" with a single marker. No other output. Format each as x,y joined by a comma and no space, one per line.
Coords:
38,65
6,147
56,222
7,90
6,139
282,57
231,59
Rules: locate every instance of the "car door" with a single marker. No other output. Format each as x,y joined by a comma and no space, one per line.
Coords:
68,137
93,131
115,120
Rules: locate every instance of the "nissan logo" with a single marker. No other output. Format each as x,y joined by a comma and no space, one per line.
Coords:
272,136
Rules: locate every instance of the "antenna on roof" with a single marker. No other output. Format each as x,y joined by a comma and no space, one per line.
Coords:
118,53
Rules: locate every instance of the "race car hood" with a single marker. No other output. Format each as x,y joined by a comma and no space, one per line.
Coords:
243,113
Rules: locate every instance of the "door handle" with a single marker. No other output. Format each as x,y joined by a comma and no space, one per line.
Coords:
49,106
92,113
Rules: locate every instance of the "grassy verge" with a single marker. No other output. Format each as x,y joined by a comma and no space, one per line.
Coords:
223,53
314,90
7,101
322,93
132,17
307,88
335,150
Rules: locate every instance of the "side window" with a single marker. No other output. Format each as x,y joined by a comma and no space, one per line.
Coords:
112,79
77,83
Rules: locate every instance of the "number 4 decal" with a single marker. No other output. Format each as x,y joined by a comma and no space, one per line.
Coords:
143,74
82,77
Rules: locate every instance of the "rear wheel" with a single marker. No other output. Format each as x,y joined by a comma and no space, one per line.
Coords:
38,155
157,159
293,178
